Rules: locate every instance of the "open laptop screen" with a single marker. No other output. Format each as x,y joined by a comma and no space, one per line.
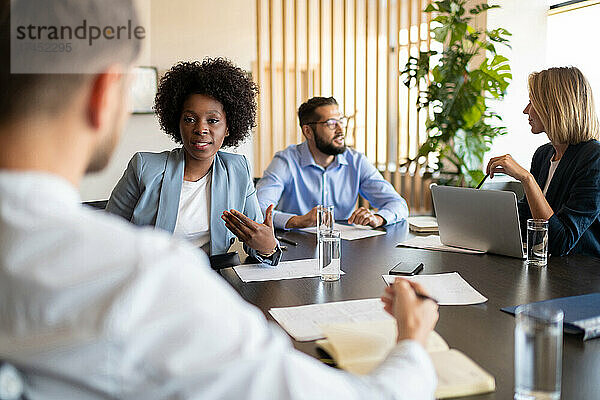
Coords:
485,220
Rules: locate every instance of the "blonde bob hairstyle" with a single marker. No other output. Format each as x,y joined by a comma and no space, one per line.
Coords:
562,98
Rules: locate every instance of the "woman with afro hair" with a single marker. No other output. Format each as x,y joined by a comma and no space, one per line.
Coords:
196,191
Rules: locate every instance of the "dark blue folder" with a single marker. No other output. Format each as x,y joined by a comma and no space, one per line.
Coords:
582,313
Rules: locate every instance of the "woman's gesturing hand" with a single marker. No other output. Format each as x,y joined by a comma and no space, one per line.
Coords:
260,237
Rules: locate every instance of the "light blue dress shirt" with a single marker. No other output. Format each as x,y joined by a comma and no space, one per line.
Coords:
296,184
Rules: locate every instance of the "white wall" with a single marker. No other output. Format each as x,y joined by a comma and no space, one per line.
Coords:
527,21
568,43
180,30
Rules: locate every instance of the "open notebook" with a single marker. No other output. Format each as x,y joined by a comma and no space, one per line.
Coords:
360,347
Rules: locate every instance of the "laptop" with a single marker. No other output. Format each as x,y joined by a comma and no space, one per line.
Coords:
485,220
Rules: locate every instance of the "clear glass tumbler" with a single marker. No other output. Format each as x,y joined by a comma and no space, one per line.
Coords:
325,219
330,254
538,352
537,242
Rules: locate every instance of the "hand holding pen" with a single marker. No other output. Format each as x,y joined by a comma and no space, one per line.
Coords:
415,312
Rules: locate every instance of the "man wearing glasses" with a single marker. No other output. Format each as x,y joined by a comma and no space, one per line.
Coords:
323,171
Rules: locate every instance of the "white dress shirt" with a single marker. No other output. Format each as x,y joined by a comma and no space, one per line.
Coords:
551,170
193,215
92,307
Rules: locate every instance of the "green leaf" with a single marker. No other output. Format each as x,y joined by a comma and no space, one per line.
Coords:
474,114
489,47
440,33
417,68
444,6
499,35
480,8
455,8
475,176
458,32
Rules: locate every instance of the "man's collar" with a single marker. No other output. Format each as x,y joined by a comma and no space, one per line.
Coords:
48,187
306,157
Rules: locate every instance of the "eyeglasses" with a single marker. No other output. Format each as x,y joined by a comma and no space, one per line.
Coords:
332,123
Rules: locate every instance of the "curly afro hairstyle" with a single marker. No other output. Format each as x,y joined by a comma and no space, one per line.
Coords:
214,77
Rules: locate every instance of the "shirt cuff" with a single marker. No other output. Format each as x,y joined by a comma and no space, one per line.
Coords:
394,215
280,219
273,259
388,216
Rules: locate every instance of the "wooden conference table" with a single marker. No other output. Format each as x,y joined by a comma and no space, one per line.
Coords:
482,331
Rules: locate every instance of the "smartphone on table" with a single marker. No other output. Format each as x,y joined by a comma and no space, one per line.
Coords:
403,268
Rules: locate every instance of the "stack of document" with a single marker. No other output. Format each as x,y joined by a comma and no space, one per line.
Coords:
360,347
423,224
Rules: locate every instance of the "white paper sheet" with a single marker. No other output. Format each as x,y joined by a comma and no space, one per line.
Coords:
305,268
432,242
302,322
449,289
350,232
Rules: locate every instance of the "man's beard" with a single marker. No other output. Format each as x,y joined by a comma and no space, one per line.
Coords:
103,153
329,148
106,148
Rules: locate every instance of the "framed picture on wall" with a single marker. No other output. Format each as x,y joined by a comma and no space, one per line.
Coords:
143,89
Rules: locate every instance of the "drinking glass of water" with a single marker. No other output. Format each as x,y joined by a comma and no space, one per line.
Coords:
324,219
537,242
330,253
538,352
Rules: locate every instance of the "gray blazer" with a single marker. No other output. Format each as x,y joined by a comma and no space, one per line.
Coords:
148,193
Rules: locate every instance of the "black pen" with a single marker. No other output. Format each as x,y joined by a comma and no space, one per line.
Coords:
425,297
288,241
483,180
421,295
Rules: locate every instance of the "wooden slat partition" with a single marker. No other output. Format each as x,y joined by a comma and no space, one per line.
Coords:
354,50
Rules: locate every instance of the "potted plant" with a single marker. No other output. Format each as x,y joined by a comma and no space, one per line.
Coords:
455,88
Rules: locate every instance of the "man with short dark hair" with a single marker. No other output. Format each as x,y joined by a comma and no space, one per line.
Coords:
93,307
323,171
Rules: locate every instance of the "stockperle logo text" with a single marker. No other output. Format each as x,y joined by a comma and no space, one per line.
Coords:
84,31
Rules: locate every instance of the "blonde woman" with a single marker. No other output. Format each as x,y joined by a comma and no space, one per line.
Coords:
563,186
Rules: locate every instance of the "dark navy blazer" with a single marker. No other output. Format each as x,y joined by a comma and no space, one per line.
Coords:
573,194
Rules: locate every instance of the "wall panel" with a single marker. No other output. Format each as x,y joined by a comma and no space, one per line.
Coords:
353,50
